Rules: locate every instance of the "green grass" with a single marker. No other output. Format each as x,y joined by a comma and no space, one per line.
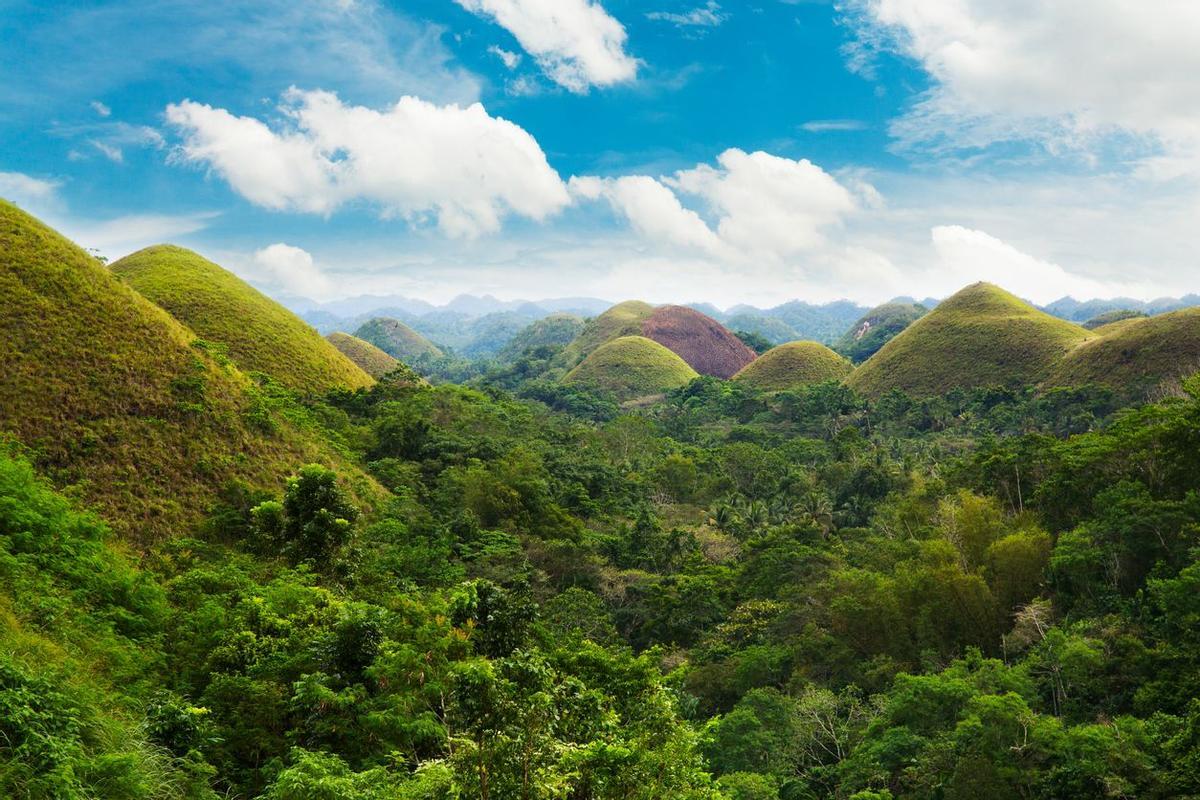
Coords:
1109,317
794,365
258,334
876,328
369,358
116,401
982,336
623,319
397,339
1135,354
631,367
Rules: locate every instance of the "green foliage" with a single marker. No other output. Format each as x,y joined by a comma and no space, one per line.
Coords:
875,329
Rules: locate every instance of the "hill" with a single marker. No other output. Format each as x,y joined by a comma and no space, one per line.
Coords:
706,345
982,336
397,339
369,358
117,400
632,366
257,333
623,319
1135,354
876,328
1109,317
556,330
792,365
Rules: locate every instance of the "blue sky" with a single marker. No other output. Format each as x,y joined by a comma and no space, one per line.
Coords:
666,149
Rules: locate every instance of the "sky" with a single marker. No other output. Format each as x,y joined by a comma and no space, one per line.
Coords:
745,151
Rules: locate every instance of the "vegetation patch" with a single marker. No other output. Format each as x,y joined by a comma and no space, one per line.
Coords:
397,340
369,358
793,365
630,367
876,328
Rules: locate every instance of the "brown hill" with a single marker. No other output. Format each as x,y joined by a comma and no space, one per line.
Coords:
705,344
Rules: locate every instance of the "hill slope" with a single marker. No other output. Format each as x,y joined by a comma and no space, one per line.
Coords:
792,365
699,340
114,398
876,328
397,339
632,366
982,336
259,334
369,358
552,331
623,319
1135,354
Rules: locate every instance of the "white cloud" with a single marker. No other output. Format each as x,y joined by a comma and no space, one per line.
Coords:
292,270
1065,74
109,151
125,234
651,209
511,60
575,42
27,191
415,160
709,15
832,125
100,108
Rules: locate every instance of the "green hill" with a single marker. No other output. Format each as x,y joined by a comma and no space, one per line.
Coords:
1109,317
397,339
792,365
257,333
369,358
982,336
876,328
632,366
1135,354
552,331
116,400
623,319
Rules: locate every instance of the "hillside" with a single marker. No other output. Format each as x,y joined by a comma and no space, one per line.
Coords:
982,336
257,333
876,328
701,341
115,399
556,330
793,365
1109,317
369,358
397,339
623,319
630,367
1135,354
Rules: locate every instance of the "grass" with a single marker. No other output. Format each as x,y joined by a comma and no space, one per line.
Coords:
982,336
397,339
698,339
876,328
552,331
258,334
630,367
369,358
1135,354
623,319
793,365
1109,317
117,402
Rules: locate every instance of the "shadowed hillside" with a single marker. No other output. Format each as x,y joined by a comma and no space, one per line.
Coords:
1135,354
555,330
397,339
699,340
793,365
256,332
632,366
876,328
982,336
369,358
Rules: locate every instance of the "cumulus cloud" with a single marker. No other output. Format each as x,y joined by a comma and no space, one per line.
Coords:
292,270
416,160
511,60
575,42
709,15
27,191
1066,74
653,210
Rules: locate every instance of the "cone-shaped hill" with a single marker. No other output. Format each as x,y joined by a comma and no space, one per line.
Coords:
1135,354
982,336
115,399
551,331
369,358
876,328
258,334
794,365
698,339
631,367
397,339
623,319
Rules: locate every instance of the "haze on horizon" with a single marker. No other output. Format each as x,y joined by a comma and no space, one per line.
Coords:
675,151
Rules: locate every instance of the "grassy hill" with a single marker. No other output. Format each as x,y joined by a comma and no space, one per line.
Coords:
632,366
369,358
1135,354
623,319
792,365
257,333
982,336
397,339
552,331
1109,317
698,339
876,328
115,399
